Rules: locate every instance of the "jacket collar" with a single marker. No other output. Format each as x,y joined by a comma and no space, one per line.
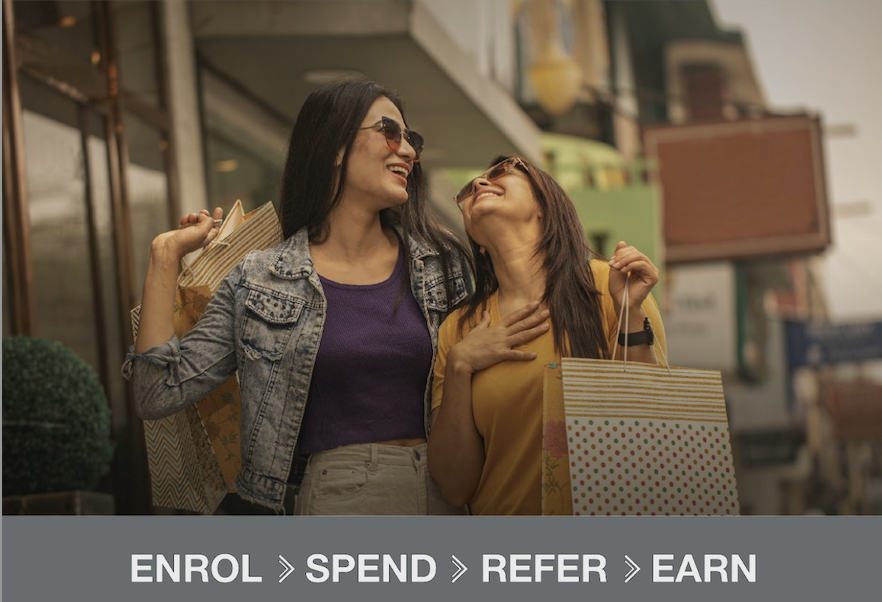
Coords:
294,261
419,248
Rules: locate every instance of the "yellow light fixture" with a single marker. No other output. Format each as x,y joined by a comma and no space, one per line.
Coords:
67,21
226,165
557,79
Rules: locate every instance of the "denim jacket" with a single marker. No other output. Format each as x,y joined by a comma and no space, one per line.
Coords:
265,321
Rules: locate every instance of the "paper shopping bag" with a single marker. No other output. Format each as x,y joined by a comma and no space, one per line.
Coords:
194,455
556,498
646,439
218,413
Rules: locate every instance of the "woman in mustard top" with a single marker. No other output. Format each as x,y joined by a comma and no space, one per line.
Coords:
533,267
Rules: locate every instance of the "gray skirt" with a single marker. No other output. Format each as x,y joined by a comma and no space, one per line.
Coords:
370,479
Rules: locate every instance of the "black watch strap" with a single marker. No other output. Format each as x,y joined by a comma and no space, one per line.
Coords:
644,337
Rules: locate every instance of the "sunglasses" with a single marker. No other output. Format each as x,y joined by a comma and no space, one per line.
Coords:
494,173
391,129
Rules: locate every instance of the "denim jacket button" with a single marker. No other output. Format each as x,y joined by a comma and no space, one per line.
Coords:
367,463
325,471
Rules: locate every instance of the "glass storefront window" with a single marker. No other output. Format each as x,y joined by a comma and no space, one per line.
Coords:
105,241
245,145
62,28
237,174
137,49
55,171
148,190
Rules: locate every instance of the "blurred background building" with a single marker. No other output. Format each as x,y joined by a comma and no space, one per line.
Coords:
118,117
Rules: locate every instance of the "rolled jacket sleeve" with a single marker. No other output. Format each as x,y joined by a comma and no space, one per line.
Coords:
169,377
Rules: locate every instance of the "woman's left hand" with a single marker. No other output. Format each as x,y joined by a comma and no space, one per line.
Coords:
644,275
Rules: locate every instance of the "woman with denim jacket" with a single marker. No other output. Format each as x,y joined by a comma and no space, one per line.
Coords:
333,332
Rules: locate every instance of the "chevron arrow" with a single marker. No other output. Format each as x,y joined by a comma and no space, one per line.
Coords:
288,568
633,568
460,568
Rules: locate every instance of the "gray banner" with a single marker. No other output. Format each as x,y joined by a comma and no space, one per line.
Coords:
167,558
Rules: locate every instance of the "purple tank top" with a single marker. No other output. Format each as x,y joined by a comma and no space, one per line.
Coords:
372,365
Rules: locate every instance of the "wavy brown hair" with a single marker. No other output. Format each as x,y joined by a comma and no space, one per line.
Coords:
570,294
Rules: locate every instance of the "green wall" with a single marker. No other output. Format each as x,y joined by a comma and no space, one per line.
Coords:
630,214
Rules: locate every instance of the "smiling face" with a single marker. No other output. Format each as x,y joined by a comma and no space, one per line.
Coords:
376,175
503,204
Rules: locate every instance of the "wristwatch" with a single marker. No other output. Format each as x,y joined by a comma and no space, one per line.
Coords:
644,337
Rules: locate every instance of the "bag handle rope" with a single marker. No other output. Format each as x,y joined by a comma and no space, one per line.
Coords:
625,311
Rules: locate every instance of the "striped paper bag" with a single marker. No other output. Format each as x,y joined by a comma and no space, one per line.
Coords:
194,455
646,439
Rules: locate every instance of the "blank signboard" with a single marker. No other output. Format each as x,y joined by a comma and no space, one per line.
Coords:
741,189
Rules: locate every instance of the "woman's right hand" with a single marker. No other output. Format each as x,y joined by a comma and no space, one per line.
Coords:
195,231
456,449
487,345
160,282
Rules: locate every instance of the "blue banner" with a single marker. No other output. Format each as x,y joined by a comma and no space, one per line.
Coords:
822,343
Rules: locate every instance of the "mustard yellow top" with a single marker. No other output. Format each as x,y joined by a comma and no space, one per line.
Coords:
507,406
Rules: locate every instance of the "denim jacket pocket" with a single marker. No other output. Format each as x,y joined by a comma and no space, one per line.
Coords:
270,319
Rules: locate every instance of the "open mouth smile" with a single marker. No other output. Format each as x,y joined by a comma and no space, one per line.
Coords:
400,171
485,193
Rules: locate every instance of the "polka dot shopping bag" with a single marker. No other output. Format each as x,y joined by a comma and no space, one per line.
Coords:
646,440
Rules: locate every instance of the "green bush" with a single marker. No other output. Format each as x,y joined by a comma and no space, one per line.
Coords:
56,423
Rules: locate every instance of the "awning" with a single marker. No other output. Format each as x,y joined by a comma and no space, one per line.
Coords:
269,47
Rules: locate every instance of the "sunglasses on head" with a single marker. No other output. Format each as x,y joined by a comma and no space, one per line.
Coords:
502,168
391,129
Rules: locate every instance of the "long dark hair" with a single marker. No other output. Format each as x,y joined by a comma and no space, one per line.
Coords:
328,121
570,294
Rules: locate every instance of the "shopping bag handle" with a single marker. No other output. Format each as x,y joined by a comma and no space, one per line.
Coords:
625,312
